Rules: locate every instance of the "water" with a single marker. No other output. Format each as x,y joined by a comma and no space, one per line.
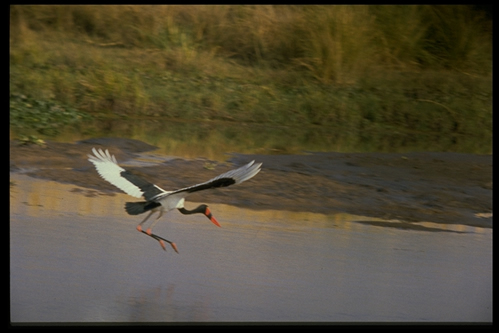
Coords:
213,139
76,257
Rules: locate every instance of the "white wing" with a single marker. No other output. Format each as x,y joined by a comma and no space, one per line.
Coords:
239,175
228,178
108,168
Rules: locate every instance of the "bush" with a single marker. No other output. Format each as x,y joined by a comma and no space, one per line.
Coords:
45,117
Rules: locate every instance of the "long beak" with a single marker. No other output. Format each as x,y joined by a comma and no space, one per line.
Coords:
211,217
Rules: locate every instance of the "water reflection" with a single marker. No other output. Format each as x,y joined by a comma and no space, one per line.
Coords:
76,257
193,139
34,197
157,304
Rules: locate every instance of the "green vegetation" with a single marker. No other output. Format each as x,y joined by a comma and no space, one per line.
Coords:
369,72
45,117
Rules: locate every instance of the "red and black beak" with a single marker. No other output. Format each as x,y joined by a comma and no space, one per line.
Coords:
211,217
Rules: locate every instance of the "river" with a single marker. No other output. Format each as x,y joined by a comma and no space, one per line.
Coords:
75,256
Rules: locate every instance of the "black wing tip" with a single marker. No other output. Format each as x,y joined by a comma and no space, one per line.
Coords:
222,182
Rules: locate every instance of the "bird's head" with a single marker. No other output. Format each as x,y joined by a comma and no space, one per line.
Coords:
201,209
206,211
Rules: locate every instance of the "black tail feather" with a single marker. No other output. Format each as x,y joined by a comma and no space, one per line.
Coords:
136,208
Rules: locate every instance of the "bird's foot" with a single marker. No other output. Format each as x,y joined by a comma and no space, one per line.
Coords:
149,231
139,228
161,240
174,246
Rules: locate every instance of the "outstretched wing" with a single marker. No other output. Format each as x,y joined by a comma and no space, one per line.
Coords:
109,170
228,178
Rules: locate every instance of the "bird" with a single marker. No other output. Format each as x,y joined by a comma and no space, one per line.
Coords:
159,200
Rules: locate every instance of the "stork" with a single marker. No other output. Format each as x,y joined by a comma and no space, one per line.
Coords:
157,199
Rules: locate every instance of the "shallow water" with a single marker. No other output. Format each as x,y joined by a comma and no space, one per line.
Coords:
76,257
191,139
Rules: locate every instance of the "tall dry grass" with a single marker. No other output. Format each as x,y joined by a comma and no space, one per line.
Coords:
367,68
335,43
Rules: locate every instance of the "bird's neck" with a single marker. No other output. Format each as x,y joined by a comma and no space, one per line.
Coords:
200,209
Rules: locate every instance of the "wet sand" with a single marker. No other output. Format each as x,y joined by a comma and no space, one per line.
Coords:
410,187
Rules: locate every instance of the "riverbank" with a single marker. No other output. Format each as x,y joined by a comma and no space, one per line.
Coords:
432,187
358,86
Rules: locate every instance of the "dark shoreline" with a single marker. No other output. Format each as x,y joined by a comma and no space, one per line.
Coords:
411,187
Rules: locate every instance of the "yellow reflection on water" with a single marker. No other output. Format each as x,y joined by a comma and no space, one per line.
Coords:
36,197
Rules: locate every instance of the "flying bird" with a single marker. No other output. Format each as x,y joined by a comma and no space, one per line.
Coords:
159,200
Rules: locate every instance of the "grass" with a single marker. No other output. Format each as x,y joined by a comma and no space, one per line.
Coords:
368,71
47,118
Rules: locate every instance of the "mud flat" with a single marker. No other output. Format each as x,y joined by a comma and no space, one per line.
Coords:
410,187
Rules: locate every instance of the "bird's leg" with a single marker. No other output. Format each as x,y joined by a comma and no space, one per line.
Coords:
149,230
139,227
